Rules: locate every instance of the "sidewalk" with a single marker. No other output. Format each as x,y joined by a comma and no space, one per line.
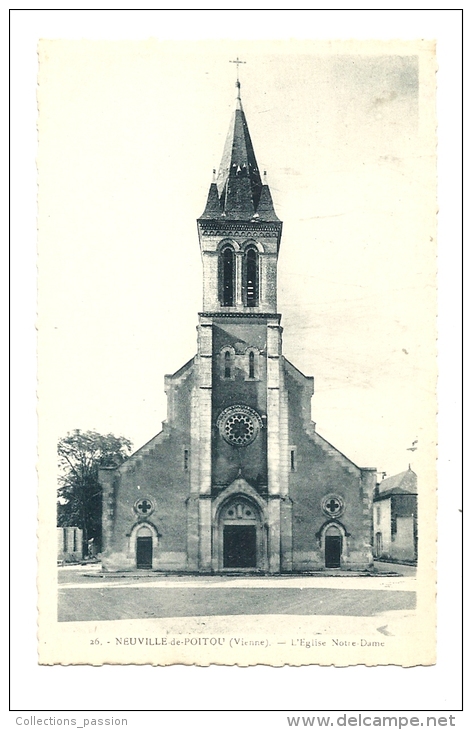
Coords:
98,573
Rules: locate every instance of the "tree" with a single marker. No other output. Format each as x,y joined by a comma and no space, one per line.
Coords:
81,454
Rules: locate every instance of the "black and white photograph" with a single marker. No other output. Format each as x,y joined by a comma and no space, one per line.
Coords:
237,352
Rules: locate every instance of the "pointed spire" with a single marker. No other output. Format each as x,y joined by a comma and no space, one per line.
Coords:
265,209
240,191
212,208
239,182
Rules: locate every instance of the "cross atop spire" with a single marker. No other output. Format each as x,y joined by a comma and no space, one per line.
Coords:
237,62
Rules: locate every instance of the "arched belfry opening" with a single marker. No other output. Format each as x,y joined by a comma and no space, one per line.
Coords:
251,277
227,276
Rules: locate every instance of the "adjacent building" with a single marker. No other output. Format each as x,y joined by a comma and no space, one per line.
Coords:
69,544
396,518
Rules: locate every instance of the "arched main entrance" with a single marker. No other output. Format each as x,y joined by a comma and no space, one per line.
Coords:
241,539
239,523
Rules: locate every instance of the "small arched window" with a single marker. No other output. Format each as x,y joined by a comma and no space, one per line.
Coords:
251,278
251,365
226,276
227,364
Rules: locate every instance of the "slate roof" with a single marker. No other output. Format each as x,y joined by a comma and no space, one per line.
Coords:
239,192
404,483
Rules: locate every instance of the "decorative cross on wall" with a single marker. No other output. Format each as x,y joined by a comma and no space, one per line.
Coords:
333,505
144,506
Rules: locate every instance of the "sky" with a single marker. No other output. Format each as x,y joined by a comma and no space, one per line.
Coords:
129,133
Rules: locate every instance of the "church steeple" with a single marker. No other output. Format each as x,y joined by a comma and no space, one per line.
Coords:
239,192
239,230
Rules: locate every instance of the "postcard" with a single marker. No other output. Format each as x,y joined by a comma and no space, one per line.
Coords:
237,352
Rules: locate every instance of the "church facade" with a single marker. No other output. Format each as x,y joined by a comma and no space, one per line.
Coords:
239,479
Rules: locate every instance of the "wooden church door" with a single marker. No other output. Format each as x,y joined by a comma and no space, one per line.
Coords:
144,549
333,549
239,546
240,536
144,552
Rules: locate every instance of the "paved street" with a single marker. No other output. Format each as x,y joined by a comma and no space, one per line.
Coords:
85,596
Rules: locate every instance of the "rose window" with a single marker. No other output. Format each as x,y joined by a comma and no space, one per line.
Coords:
143,507
239,425
239,429
332,505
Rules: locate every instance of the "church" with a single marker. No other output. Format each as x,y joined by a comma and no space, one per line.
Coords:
239,480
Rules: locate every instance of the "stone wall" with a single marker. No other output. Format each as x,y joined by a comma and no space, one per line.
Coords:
160,473
317,471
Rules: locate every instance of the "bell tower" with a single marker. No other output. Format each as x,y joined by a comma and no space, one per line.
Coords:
239,231
239,410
